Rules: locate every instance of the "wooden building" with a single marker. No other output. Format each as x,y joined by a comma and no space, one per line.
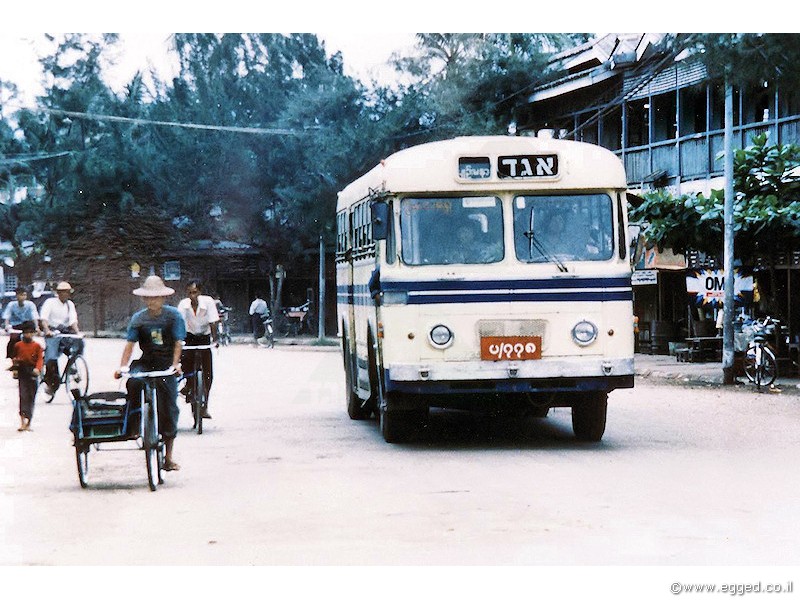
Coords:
663,115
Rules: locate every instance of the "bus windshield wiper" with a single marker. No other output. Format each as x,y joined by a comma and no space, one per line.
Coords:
533,242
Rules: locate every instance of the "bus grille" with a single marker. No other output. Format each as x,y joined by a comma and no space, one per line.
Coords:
517,328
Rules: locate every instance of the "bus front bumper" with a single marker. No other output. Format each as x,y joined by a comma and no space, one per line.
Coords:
546,375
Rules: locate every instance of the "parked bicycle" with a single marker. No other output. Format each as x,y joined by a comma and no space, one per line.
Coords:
269,331
294,320
196,390
760,363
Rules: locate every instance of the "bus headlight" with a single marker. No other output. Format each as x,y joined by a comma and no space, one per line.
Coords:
584,333
441,336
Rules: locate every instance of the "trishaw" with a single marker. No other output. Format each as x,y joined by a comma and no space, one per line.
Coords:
105,417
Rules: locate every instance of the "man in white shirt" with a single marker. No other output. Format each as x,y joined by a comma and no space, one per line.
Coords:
258,312
201,316
16,315
58,315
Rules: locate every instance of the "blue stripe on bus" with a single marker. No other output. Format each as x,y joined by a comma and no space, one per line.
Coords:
508,284
596,296
594,289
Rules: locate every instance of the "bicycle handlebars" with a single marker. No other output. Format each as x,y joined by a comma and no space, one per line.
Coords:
147,374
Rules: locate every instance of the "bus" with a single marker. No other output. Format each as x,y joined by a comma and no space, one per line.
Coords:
488,274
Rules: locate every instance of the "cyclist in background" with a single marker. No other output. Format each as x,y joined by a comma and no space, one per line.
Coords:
58,315
201,317
17,314
258,312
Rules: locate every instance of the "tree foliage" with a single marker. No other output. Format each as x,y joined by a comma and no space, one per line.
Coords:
472,83
745,58
766,206
115,192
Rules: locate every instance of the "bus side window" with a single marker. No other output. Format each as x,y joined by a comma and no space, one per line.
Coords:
391,244
622,243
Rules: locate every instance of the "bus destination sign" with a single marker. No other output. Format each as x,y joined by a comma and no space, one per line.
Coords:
474,167
527,166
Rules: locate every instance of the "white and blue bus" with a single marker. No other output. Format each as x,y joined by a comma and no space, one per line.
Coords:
487,274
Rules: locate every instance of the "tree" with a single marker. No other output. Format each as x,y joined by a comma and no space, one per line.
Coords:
472,83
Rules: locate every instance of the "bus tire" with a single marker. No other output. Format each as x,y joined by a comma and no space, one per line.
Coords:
394,426
354,408
398,426
589,417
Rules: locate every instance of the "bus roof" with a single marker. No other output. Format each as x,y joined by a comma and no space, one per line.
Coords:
435,167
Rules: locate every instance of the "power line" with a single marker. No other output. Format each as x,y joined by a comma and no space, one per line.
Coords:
135,121
11,159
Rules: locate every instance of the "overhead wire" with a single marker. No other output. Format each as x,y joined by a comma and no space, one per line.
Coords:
11,159
140,121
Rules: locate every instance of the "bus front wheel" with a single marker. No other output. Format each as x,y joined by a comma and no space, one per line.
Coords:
589,417
399,426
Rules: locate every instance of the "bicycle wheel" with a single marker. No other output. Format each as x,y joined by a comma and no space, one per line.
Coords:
199,404
311,323
150,436
769,367
281,325
47,388
160,461
76,377
82,460
750,363
270,335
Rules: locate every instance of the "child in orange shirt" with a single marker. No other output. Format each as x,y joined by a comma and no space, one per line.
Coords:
28,357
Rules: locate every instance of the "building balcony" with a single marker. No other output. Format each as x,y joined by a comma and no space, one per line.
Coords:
694,156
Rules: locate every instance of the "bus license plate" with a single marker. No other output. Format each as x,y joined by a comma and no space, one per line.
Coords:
518,347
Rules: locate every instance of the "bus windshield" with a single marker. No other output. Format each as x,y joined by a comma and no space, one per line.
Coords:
444,231
569,227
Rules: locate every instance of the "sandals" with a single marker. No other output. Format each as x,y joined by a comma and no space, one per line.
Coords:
171,466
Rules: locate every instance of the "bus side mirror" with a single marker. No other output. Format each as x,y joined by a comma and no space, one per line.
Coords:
380,220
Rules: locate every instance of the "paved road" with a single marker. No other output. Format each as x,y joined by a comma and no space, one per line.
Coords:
281,476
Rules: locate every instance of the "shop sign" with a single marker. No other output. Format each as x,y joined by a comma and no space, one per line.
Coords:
707,287
645,277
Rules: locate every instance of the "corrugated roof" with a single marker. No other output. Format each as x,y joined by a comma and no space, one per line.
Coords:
604,57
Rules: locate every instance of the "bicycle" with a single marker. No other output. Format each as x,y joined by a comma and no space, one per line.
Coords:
293,320
224,328
152,442
73,376
105,417
269,331
75,373
196,391
760,363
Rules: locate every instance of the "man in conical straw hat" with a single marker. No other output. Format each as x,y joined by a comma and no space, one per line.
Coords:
159,330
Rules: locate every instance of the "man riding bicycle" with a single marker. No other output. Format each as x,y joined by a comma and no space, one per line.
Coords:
159,330
201,317
59,316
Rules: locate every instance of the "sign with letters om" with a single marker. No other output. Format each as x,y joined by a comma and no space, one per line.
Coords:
520,347
707,286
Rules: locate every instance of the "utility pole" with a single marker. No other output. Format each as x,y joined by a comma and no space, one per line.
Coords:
321,303
728,377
